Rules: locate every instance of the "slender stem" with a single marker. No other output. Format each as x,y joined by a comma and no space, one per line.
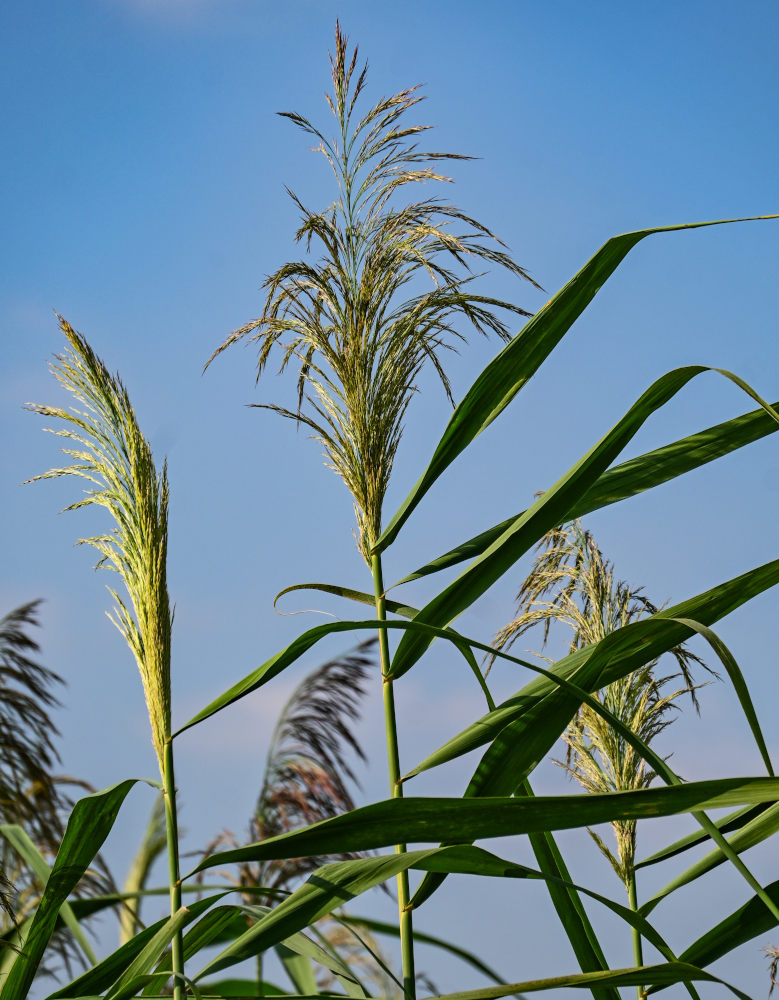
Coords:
171,828
638,951
396,788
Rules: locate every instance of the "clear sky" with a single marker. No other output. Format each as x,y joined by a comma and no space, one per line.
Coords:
143,198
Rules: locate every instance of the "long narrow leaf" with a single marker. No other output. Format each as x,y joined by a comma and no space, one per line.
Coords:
391,930
645,975
552,507
568,906
739,684
19,839
503,378
640,642
427,820
105,974
276,664
136,973
630,478
733,821
89,824
754,832
745,924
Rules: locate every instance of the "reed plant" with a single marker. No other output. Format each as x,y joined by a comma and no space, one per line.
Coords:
111,454
359,325
572,584
359,347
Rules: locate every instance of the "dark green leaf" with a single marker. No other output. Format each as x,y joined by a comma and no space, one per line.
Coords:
755,832
89,824
746,923
420,820
551,508
503,378
640,642
631,478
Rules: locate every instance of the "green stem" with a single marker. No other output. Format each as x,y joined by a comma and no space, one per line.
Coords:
638,951
174,880
396,788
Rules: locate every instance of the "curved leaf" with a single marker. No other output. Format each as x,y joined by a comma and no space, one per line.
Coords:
551,508
645,975
105,974
640,642
19,839
421,820
733,821
754,832
745,924
630,478
89,824
739,684
507,373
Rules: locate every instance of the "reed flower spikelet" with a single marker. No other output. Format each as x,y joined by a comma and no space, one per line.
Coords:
110,452
362,320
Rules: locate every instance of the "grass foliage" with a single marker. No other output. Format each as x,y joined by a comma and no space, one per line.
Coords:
393,287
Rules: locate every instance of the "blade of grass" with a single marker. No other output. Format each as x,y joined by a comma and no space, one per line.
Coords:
640,642
18,838
744,924
568,906
439,819
333,883
503,378
104,975
630,478
138,970
89,824
550,509
733,821
754,832
648,975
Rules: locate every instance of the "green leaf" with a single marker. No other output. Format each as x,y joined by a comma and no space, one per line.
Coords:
746,923
640,642
241,988
630,478
733,821
18,838
420,820
137,972
391,930
568,906
503,378
360,596
105,974
89,824
330,885
272,667
739,684
646,975
299,970
755,832
551,508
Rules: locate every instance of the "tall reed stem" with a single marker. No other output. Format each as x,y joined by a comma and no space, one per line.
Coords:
638,951
171,829
396,788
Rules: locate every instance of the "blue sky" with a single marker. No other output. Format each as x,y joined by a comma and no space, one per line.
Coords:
143,198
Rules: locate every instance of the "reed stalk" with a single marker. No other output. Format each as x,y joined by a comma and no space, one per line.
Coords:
405,920
346,320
